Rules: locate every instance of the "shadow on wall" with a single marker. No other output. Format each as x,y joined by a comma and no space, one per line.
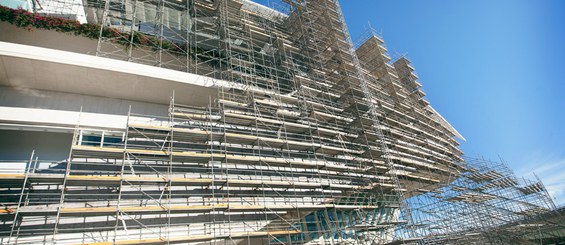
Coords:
18,145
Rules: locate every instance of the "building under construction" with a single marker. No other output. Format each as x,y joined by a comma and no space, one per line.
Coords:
230,122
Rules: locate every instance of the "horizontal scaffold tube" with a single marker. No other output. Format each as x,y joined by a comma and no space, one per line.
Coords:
203,135
103,211
201,238
117,153
89,180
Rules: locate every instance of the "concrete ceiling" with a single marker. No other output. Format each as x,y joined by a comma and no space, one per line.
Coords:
29,67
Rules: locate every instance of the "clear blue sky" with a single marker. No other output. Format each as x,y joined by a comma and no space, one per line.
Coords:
494,69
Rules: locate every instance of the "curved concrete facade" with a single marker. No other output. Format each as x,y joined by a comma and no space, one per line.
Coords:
279,133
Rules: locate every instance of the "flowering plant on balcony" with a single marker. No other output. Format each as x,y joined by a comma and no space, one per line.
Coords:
29,21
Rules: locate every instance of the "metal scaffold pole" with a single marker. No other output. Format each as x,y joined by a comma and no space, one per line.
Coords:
279,130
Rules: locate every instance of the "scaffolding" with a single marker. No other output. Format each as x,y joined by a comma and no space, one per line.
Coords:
311,139
487,204
145,189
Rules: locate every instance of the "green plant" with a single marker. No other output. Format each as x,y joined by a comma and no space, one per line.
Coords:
29,21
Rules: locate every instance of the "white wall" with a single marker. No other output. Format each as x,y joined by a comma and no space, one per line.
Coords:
41,99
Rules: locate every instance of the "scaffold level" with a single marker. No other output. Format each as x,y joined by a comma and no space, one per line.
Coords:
311,138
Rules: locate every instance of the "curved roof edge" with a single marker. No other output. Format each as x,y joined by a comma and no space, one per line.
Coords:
446,124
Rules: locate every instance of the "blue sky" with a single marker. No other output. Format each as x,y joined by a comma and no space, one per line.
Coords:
494,69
